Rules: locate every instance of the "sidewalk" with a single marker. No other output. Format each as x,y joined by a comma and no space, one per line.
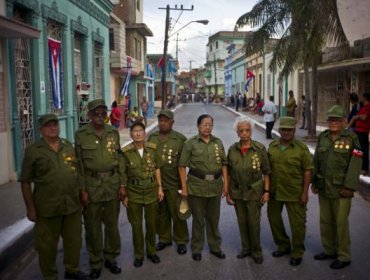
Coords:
16,231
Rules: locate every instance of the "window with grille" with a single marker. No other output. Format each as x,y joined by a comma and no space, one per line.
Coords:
137,49
54,31
111,39
98,70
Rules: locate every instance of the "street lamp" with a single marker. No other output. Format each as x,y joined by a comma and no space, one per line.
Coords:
166,36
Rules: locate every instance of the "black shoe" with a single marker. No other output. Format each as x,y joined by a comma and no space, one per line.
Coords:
242,255
295,261
258,260
219,255
75,275
197,257
161,245
138,262
337,264
181,249
113,267
154,258
323,256
277,254
95,273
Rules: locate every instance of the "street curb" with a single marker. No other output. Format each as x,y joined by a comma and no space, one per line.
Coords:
363,179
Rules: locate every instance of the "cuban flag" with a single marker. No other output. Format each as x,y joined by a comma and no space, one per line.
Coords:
250,76
126,82
55,65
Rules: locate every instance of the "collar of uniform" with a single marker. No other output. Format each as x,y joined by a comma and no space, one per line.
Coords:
91,130
239,146
211,138
278,143
43,143
172,134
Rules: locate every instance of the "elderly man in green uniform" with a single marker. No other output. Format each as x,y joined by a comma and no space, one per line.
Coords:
99,152
337,161
249,187
54,205
291,170
170,143
205,156
142,191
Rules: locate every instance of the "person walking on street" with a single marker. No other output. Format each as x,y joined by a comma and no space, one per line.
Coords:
99,153
144,106
249,187
142,191
269,110
291,105
205,156
361,122
356,105
115,115
54,205
169,144
303,104
337,162
291,170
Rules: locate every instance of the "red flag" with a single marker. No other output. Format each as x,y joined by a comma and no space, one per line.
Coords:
161,63
250,74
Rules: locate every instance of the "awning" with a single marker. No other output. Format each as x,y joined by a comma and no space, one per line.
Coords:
10,28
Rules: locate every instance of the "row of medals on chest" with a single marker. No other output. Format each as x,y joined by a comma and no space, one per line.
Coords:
341,145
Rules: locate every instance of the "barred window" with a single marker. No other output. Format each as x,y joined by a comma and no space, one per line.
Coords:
98,70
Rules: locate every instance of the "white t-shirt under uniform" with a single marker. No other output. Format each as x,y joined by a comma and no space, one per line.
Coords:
269,109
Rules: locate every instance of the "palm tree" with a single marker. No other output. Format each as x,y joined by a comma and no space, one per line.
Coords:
304,28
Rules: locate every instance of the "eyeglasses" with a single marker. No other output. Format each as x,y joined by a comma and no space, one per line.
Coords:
100,114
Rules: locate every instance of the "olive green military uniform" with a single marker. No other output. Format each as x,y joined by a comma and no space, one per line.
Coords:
204,181
337,165
170,151
290,107
56,198
288,165
142,192
100,176
246,188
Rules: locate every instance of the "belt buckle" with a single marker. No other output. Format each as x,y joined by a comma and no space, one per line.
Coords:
209,177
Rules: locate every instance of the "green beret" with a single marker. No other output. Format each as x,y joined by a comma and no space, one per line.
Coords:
44,119
184,210
336,111
97,103
287,122
167,113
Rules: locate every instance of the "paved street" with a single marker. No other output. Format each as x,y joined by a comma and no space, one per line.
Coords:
173,266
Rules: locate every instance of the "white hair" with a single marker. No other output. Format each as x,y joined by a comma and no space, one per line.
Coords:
243,119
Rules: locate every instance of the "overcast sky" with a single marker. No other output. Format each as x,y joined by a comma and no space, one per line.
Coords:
222,15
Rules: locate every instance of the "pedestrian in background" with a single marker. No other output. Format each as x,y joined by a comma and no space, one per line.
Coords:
269,110
144,106
361,123
291,105
291,169
54,205
142,191
249,187
303,106
169,145
115,115
356,105
337,162
205,156
99,153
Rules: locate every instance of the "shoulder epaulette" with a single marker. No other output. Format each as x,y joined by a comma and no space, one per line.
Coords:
128,147
65,141
259,145
150,145
274,142
233,146
300,144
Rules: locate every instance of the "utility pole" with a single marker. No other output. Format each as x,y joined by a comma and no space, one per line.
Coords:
177,45
164,70
216,88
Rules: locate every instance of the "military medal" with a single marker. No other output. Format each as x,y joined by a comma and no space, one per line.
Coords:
347,147
97,142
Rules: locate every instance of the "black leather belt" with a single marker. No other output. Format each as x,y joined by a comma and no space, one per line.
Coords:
140,182
100,175
201,175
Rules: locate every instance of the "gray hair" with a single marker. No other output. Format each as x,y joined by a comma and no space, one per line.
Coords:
243,119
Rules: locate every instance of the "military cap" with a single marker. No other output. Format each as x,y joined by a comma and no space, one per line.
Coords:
96,103
287,122
184,211
336,111
44,119
167,113
139,123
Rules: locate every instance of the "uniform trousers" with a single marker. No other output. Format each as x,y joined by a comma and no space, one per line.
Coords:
48,231
249,218
206,215
135,217
297,221
334,227
96,214
169,225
